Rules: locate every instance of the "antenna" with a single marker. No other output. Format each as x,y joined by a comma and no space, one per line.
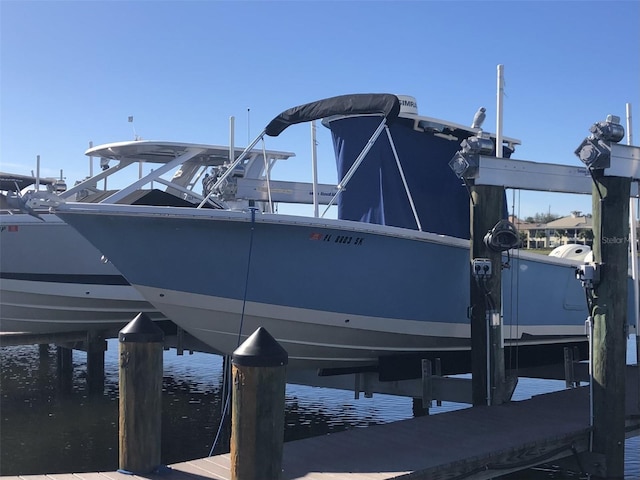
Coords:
135,138
91,161
629,125
135,135
37,172
248,125
499,107
232,137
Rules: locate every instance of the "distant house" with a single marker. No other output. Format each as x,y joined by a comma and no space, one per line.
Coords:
527,231
575,228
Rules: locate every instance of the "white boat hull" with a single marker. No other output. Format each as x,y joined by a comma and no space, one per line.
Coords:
42,307
47,289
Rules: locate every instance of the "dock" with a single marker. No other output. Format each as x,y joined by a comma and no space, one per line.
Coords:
473,443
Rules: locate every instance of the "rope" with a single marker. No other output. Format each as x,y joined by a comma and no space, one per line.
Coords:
227,400
514,289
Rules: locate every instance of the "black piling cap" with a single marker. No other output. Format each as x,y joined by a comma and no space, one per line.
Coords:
260,350
141,330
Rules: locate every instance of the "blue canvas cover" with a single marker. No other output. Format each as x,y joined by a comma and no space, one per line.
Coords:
375,193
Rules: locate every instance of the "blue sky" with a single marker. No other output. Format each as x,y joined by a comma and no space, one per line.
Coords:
74,71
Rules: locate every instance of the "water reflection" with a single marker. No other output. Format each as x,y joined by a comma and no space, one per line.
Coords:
47,429
44,428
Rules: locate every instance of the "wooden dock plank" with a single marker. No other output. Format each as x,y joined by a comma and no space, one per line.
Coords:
334,476
33,477
90,476
219,460
62,476
218,463
194,468
119,476
212,468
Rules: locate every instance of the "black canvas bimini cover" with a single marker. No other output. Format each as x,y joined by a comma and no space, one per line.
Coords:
356,104
8,181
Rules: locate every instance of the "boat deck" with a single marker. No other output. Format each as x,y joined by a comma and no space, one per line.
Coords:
473,443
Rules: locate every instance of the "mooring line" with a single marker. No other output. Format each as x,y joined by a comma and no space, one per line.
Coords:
244,303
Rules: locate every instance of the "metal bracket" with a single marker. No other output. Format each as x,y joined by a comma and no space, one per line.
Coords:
588,274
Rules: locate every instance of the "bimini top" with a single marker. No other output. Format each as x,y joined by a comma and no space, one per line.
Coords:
9,181
355,104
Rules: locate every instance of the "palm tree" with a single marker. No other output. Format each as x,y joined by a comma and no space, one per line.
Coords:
560,233
540,233
522,237
586,236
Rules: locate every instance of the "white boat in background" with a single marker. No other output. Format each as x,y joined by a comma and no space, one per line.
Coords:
388,279
53,280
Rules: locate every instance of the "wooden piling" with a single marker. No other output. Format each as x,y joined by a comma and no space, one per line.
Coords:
611,252
487,350
96,346
257,418
64,363
140,418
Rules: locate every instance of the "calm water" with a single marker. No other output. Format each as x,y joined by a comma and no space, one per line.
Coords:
45,430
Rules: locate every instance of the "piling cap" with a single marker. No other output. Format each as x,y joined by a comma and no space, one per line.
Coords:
260,350
141,330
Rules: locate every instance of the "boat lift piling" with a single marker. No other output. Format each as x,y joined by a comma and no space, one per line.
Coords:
609,312
487,348
489,383
96,346
64,365
605,281
487,344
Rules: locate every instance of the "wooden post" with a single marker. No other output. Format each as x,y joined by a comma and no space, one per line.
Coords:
141,348
487,350
96,346
64,358
611,252
257,418
45,361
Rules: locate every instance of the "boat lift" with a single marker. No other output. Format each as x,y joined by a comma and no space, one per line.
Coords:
615,170
476,165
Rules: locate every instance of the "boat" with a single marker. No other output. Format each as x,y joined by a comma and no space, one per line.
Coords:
387,279
53,280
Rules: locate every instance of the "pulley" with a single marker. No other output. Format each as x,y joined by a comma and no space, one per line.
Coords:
502,237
